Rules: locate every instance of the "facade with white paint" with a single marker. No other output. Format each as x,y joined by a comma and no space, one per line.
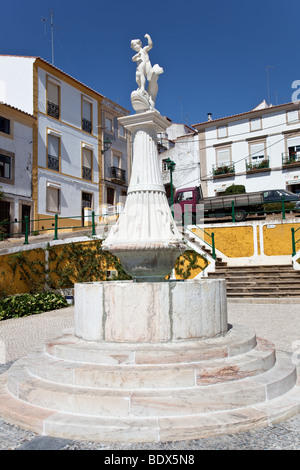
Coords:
16,151
68,136
116,167
259,149
180,145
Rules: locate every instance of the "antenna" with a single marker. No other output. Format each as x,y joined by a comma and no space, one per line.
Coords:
43,20
267,70
52,37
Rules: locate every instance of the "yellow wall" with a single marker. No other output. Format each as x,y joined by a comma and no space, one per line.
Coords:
278,239
15,277
235,241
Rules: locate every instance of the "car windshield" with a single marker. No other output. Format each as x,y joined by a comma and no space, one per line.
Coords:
286,193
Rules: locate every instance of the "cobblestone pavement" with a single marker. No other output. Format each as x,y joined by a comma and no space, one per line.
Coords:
275,319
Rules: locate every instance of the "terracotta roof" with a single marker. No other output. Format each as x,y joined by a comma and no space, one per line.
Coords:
16,109
253,111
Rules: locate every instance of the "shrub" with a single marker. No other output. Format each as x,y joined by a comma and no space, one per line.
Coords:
29,304
235,189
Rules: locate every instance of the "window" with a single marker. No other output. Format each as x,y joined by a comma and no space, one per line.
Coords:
185,196
87,161
4,125
257,151
53,92
53,152
5,167
108,124
122,132
116,161
223,156
110,196
53,198
86,116
255,124
292,116
222,132
164,165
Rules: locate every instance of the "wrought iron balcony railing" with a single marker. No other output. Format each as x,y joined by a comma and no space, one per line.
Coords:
53,163
223,169
291,158
118,175
86,125
52,110
258,165
86,173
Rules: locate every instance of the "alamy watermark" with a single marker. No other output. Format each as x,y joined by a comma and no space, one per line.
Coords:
2,352
296,93
296,353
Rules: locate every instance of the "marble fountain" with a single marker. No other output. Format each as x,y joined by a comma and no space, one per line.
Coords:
149,359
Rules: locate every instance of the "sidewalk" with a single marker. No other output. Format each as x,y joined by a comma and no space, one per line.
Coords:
275,319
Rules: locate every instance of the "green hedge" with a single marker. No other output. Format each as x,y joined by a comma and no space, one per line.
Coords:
29,304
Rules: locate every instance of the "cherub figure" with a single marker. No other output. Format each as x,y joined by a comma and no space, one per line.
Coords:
145,71
144,67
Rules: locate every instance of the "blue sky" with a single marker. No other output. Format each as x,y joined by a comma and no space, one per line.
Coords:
214,54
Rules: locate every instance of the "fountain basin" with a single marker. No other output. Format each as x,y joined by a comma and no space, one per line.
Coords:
150,312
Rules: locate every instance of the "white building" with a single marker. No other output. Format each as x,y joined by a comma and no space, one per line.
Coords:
67,138
116,168
180,145
259,149
16,151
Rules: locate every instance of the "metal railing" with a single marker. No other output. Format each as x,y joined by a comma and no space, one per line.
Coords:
88,221
290,158
211,236
294,241
52,110
239,212
258,165
86,125
223,169
118,174
53,162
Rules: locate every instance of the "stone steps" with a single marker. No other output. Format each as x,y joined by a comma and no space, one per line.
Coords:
238,340
259,281
181,374
150,391
171,401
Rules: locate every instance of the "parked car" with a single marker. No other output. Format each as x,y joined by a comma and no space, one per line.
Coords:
297,206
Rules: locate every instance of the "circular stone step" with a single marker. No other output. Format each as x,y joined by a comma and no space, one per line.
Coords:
238,339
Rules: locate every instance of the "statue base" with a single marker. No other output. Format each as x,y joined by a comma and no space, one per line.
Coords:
150,362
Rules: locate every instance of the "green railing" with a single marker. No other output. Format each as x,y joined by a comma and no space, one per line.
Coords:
260,165
223,169
27,223
210,235
238,213
291,158
294,241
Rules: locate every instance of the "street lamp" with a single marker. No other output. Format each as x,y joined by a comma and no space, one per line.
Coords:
106,145
171,166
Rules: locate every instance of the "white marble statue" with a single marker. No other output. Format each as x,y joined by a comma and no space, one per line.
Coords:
143,99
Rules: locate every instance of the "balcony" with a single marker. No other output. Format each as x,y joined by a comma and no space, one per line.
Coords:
258,166
86,173
53,110
53,163
290,160
86,125
118,175
224,170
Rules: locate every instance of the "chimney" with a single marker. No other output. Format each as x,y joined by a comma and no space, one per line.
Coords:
209,116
